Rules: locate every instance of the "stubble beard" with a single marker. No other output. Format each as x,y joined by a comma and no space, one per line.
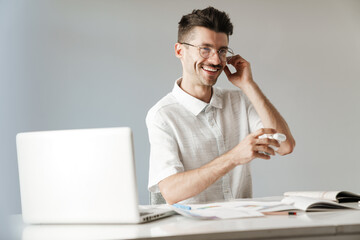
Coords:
207,81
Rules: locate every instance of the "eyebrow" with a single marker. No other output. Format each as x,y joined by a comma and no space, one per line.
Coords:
210,45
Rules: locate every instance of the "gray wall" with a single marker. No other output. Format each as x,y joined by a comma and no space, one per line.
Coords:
89,64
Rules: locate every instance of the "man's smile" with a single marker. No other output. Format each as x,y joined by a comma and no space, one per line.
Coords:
211,69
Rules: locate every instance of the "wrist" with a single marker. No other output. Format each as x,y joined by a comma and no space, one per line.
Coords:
230,159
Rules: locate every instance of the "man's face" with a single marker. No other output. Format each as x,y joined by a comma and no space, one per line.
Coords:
199,70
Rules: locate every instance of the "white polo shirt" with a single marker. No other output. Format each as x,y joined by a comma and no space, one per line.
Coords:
186,133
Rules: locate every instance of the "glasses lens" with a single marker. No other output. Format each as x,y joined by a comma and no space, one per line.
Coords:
205,52
223,54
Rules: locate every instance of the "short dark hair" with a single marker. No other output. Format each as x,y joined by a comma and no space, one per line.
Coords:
209,17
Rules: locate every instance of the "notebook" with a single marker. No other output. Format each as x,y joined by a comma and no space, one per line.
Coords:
80,176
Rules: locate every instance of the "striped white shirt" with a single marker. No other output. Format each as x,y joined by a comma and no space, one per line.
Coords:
186,133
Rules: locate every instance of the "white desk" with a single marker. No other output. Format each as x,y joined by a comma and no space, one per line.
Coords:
339,224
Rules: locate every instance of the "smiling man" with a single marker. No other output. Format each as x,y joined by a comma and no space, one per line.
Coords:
203,138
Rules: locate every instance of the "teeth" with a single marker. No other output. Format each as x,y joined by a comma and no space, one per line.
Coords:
210,69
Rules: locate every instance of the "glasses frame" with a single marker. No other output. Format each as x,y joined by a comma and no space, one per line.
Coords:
229,50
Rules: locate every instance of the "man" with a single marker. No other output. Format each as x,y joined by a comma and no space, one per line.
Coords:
203,138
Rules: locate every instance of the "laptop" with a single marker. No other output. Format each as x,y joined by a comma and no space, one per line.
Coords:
80,176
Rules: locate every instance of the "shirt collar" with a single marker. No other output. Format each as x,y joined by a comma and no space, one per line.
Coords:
193,104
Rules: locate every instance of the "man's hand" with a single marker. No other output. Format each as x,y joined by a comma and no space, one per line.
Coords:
243,74
249,147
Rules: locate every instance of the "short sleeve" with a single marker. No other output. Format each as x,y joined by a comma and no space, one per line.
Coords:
255,122
254,119
164,152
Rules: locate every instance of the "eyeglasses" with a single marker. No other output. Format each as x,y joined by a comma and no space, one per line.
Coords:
206,52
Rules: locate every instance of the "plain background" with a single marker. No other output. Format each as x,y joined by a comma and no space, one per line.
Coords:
91,64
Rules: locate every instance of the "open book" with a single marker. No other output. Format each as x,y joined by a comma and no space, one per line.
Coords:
336,196
313,204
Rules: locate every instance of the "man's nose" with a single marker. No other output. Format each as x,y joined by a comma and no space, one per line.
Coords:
215,58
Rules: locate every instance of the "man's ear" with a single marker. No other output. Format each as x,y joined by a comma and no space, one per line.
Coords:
178,50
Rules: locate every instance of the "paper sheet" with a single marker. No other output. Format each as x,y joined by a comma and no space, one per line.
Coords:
232,209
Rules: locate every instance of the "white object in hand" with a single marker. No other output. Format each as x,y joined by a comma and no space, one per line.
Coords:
277,136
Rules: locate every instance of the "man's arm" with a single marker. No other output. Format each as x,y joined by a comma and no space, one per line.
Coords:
187,184
268,114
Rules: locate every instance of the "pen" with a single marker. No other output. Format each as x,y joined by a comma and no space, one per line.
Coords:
280,213
182,206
